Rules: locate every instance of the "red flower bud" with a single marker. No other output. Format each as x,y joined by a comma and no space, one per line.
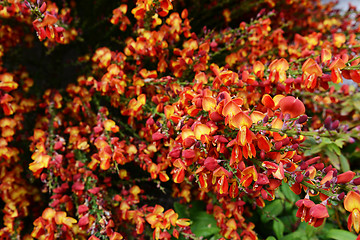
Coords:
312,160
43,7
327,123
278,145
299,178
319,166
328,168
304,166
345,177
341,196
356,181
335,125
302,119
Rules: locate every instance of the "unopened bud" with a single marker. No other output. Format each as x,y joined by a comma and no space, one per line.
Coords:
345,177
278,145
43,7
312,160
296,158
341,196
285,141
319,166
299,178
262,155
356,181
327,184
327,123
39,2
335,125
295,146
328,168
303,166
302,119
266,119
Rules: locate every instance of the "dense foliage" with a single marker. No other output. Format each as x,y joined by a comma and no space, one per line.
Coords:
160,119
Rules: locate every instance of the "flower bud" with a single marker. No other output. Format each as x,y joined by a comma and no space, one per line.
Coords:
327,123
285,141
262,155
356,181
304,166
341,196
335,125
278,145
302,119
345,177
266,119
299,178
328,168
312,160
318,166
39,2
43,7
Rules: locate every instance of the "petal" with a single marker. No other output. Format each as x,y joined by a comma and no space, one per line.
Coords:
352,201
291,105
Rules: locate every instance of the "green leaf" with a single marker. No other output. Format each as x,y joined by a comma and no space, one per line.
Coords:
338,234
345,166
334,148
314,149
271,238
278,227
298,235
289,195
272,210
334,159
340,142
326,140
204,225
181,210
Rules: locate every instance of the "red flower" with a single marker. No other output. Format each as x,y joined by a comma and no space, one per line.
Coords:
318,213
304,206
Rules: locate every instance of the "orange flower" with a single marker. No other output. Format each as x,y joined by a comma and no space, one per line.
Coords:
311,72
352,204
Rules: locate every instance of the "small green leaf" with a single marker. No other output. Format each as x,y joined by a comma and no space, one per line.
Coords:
278,227
271,238
289,195
181,210
314,149
298,235
272,210
204,225
340,142
338,234
334,159
333,147
326,140
344,164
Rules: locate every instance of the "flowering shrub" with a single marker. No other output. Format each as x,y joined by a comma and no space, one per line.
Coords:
179,120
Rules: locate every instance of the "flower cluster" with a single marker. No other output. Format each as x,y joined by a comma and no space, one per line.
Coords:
174,131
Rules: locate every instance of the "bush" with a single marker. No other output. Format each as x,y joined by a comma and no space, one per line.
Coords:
179,120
